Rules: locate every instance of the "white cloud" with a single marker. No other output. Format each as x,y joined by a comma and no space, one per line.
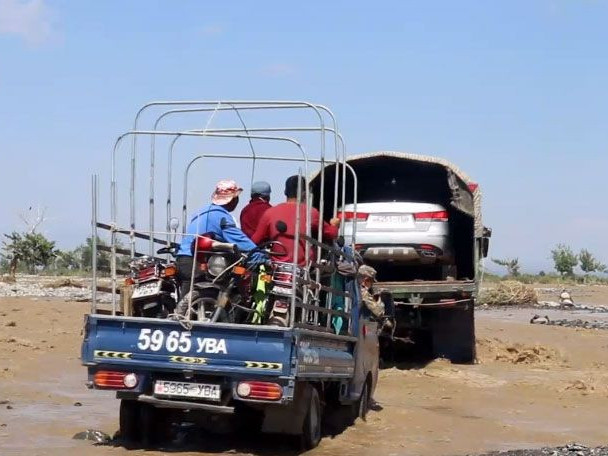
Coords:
279,70
30,20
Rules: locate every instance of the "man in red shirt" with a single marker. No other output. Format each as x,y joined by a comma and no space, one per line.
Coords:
286,213
260,202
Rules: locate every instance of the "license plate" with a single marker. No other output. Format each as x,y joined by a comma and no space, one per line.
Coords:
146,289
389,221
184,389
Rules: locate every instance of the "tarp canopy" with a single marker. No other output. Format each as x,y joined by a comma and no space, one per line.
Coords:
393,176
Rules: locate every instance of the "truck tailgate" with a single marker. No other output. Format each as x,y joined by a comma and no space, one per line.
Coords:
144,343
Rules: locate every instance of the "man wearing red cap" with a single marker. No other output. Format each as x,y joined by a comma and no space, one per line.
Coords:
216,222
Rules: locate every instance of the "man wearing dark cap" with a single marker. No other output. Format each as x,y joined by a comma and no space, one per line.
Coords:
286,212
260,202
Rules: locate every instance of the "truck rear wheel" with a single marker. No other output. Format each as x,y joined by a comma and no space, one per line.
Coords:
311,430
129,421
453,334
155,425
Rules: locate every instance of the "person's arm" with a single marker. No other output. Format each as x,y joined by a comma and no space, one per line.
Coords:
261,233
330,231
234,235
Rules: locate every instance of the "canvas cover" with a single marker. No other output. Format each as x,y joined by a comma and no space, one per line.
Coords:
462,198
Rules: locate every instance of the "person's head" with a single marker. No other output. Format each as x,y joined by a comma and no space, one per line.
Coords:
367,275
226,194
291,187
261,189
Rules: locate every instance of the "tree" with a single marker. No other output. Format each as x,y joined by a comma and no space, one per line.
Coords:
31,249
565,260
68,260
589,263
512,265
84,253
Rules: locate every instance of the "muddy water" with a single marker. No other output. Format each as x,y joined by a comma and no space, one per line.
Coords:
534,386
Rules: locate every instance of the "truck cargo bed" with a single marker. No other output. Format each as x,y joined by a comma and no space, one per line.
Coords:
144,343
435,286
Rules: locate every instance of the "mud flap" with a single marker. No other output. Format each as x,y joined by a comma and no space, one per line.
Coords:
453,333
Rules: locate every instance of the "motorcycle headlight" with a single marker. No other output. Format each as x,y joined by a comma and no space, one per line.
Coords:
216,264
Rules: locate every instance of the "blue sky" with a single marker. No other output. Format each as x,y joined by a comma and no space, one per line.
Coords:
513,92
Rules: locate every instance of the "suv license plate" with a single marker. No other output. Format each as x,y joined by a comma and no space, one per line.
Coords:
389,221
184,389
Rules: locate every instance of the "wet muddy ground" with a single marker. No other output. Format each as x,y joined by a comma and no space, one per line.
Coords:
534,386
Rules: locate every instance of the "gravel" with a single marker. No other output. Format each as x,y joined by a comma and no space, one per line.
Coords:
578,323
557,305
50,287
573,449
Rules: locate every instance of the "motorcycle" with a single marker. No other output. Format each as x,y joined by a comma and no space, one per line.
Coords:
156,290
222,291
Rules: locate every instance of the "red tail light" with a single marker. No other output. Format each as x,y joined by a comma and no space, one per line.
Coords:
282,277
360,216
441,216
115,380
264,391
146,273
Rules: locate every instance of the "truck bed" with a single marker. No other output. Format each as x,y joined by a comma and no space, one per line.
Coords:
419,286
215,349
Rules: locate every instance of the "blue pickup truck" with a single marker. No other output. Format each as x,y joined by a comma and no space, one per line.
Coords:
322,358
281,380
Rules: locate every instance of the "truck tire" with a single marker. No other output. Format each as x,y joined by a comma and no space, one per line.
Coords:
155,425
311,429
453,334
129,422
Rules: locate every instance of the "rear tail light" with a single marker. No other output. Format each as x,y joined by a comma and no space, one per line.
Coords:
115,380
264,391
359,216
146,273
282,277
441,216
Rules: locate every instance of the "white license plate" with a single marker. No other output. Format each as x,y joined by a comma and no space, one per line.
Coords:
389,221
146,289
184,389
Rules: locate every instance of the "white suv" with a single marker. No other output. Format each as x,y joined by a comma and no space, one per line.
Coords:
400,232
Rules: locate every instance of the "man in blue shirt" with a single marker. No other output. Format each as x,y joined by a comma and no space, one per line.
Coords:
216,222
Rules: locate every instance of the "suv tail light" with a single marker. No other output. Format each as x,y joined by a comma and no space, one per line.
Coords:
264,391
441,216
360,216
